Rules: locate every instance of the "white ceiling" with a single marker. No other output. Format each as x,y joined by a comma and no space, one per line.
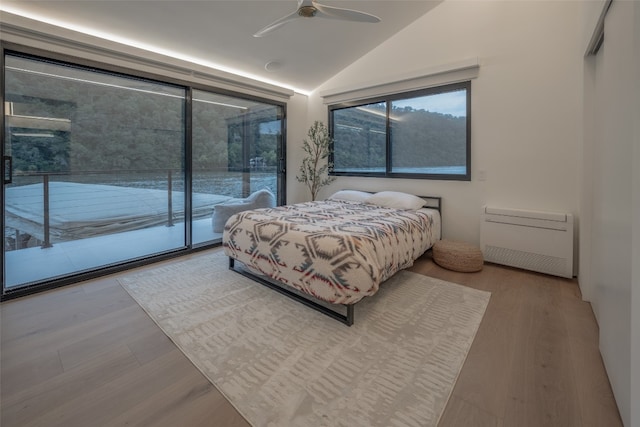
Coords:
306,52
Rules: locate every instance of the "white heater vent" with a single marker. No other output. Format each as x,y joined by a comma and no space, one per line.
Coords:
537,241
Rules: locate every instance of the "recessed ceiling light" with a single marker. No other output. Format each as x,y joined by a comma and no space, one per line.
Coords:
272,66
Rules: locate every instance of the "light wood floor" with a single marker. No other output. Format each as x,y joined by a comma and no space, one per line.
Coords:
88,355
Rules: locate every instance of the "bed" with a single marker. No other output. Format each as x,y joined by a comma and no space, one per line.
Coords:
330,254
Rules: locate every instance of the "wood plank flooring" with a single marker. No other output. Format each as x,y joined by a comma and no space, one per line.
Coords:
88,355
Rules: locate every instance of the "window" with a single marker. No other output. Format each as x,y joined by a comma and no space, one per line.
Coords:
104,168
237,147
419,134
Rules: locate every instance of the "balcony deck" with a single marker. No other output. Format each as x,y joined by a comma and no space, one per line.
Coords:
34,264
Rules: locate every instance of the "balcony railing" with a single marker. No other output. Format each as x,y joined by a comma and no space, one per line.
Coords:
53,207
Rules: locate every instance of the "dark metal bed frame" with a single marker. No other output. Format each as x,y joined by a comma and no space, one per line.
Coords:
348,317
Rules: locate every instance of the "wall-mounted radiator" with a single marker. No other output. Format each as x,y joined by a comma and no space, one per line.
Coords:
537,241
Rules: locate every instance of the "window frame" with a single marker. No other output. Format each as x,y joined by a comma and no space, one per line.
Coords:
156,75
388,99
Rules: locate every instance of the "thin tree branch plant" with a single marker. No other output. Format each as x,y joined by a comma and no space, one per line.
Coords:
315,165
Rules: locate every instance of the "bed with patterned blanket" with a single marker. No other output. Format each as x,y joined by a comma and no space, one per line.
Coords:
336,251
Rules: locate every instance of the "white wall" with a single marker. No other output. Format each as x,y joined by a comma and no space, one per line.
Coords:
611,201
526,103
593,11
297,118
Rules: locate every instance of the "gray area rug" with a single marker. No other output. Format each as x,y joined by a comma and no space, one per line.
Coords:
281,363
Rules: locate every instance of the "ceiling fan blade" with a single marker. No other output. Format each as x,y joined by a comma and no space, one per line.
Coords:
280,22
344,14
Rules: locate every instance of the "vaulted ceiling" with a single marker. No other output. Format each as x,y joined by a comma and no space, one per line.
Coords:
301,54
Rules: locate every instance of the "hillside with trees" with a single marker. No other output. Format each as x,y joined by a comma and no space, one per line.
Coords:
419,138
115,123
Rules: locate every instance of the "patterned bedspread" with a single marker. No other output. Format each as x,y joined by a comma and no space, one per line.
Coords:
336,251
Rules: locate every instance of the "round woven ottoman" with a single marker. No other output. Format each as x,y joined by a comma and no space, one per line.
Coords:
458,256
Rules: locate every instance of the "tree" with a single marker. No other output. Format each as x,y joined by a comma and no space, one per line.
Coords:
315,166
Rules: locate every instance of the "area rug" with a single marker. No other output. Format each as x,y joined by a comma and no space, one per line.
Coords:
281,363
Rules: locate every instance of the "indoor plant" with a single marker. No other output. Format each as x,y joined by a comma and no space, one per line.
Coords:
315,166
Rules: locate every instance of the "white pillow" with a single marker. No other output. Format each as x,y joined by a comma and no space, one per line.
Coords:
351,196
396,200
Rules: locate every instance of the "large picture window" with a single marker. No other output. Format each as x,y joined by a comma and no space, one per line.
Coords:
105,168
419,134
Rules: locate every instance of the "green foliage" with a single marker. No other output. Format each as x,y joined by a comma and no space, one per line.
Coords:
114,129
315,166
419,139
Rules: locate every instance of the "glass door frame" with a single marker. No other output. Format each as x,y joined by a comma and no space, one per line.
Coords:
8,47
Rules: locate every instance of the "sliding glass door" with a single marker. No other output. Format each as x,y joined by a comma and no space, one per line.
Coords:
93,158
237,149
105,169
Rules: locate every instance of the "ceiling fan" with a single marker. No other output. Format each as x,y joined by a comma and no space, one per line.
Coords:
311,8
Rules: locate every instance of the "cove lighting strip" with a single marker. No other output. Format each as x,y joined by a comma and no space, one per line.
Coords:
144,46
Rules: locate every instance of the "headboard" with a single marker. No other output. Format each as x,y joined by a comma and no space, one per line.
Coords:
430,202
433,202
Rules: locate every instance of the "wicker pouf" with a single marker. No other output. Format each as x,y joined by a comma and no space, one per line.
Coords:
457,256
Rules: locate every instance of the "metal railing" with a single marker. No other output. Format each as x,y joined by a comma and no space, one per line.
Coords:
223,181
46,219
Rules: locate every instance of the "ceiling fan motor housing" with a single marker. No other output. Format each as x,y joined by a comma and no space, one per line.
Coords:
307,11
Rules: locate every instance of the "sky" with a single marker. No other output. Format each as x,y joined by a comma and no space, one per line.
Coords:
454,103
